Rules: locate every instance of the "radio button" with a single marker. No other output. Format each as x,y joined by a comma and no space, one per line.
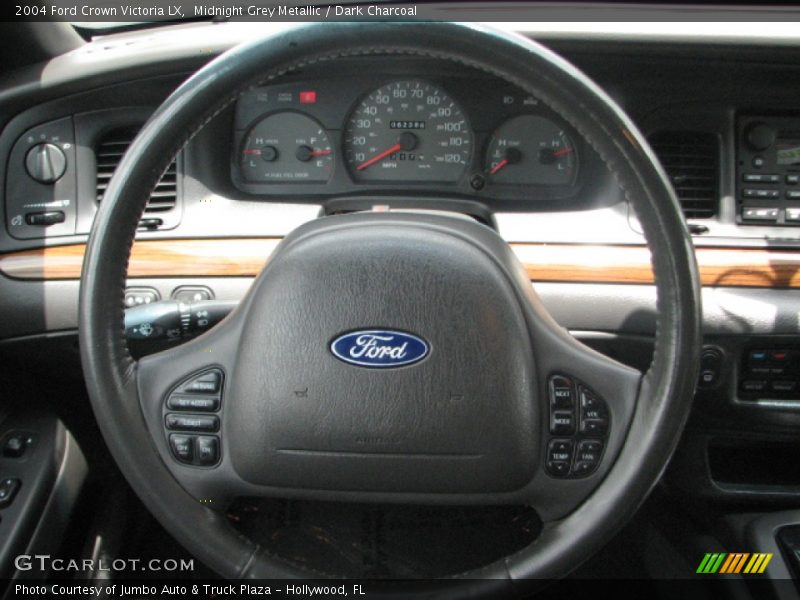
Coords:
759,214
761,178
760,193
792,214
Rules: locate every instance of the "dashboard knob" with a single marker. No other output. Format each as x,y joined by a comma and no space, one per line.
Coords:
760,136
45,163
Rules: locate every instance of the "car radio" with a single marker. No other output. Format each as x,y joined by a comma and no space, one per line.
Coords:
768,170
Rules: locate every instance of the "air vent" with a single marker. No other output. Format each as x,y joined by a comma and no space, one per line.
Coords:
691,160
108,155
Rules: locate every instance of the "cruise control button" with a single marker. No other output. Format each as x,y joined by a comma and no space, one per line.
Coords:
207,449
594,426
182,447
560,450
208,383
201,403
192,423
562,393
8,489
558,468
562,422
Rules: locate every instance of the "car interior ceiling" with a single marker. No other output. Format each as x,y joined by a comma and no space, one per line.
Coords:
723,119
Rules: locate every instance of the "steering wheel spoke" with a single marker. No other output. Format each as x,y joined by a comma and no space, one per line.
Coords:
588,401
182,392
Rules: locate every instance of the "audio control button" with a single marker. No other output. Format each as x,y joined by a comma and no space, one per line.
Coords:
760,214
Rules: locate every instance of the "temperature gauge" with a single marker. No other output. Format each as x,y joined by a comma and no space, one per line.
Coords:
531,150
287,147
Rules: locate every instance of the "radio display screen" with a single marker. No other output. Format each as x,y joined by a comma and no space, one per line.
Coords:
788,152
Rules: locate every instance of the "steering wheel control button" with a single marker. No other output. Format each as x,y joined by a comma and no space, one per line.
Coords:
208,383
591,406
562,393
562,422
578,453
583,467
558,468
8,489
594,426
182,447
192,423
207,447
193,403
560,451
200,392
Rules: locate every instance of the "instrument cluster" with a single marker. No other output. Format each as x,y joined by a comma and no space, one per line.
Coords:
355,135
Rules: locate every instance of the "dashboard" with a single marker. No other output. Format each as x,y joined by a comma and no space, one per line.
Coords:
413,127
377,133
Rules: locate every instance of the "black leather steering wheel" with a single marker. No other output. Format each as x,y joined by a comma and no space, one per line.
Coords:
471,422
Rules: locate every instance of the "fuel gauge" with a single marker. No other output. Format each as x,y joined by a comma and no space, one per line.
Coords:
531,150
287,147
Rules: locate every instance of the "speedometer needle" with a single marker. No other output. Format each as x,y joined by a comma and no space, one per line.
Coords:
379,157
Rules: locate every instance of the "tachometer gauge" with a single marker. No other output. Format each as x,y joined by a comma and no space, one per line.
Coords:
408,131
287,147
531,150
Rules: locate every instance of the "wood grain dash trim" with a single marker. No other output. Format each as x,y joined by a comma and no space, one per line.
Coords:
244,257
589,263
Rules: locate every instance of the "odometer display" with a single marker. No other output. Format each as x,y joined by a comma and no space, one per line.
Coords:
408,131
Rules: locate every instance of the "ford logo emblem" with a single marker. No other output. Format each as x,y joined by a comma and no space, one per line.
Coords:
379,348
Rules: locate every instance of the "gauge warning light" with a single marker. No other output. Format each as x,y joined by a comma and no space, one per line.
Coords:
308,97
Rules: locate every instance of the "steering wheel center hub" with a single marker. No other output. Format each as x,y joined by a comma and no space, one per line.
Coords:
385,354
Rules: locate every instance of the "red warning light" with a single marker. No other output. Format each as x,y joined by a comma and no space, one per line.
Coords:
308,97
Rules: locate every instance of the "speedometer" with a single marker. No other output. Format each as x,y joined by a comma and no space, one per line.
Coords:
408,131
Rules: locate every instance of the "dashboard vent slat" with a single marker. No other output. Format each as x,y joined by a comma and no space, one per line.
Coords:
691,160
108,154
